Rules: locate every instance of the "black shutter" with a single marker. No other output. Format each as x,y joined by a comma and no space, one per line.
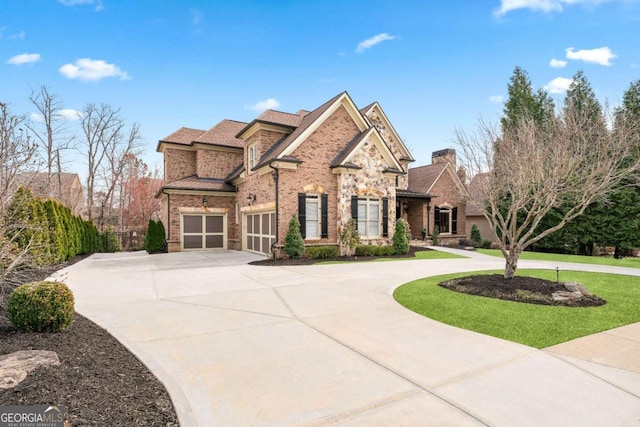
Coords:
324,216
354,210
454,221
385,217
436,218
302,214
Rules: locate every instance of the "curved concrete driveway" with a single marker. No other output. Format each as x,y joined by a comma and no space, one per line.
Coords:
237,344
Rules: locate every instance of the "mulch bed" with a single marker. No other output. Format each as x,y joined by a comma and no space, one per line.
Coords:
525,289
308,261
99,381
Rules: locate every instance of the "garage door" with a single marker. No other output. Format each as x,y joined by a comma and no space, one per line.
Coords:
203,232
260,231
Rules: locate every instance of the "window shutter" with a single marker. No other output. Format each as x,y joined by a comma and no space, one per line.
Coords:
354,209
302,214
454,221
385,217
436,217
324,216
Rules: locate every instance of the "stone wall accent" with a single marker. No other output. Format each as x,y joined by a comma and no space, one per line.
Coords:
217,163
368,181
178,164
387,135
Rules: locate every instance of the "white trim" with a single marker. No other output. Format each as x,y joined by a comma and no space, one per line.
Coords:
343,100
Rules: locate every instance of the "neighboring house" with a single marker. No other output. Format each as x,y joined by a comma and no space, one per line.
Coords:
447,210
474,214
63,187
237,185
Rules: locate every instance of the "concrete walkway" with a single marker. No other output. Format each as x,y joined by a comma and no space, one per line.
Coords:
237,344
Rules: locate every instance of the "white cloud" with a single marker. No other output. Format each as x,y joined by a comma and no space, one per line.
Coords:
546,6
98,3
496,99
558,63
64,114
196,16
24,58
88,69
366,44
266,104
18,36
601,55
69,114
558,85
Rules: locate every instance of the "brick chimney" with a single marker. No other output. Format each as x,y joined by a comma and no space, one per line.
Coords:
443,156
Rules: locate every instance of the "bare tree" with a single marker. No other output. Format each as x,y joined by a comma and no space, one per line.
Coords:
18,153
105,143
52,134
532,169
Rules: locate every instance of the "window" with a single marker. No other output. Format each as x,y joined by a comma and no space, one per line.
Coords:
253,156
313,215
446,219
369,217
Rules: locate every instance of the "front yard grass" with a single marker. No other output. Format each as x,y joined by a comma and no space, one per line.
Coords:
633,262
537,326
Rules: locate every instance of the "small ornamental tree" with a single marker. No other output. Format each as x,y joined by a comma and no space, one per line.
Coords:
154,239
293,242
476,238
400,241
349,237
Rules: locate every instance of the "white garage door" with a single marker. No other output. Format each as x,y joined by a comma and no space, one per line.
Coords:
204,231
260,232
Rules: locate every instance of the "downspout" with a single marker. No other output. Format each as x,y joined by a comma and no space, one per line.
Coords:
276,176
168,235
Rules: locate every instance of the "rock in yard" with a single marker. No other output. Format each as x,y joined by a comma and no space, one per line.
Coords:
566,296
14,367
576,287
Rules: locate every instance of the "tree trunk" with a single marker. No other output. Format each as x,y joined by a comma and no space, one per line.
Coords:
511,262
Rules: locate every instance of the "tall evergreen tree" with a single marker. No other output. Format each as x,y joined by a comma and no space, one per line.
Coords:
523,102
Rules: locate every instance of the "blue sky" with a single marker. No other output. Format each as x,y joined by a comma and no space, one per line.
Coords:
434,66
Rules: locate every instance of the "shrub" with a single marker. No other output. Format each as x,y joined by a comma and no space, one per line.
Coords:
154,239
400,241
41,307
476,238
349,237
486,244
374,250
466,242
321,252
435,237
293,242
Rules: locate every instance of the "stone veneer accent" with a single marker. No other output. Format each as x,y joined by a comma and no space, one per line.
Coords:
368,181
394,146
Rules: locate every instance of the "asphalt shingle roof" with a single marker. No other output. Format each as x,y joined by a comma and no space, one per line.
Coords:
224,133
422,178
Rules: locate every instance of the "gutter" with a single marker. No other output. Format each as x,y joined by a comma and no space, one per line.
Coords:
276,177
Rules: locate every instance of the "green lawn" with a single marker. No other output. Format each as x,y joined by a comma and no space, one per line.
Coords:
533,325
419,255
541,256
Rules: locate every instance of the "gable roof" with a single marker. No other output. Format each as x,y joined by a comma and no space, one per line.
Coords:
375,105
193,182
345,155
423,178
475,194
279,117
224,133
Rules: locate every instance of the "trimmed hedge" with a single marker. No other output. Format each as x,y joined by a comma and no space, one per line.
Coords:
374,250
321,252
41,307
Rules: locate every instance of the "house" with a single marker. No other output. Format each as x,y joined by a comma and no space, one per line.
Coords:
66,188
474,213
237,185
447,210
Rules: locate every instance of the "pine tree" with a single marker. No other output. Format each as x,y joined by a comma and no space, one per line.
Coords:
475,236
293,242
400,241
56,232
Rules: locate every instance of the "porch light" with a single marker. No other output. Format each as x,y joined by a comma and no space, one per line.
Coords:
251,198
204,201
